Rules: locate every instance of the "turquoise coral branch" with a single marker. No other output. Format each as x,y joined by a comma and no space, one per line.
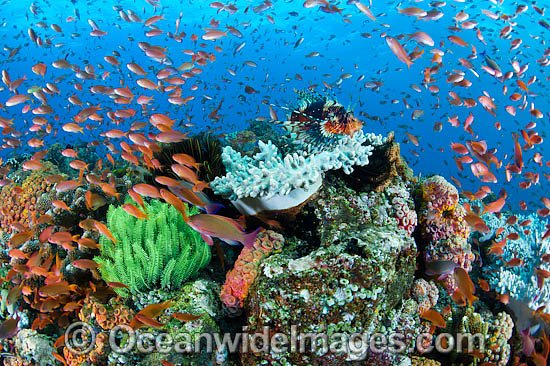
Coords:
268,173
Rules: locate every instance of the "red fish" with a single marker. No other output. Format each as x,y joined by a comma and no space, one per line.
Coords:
221,227
399,51
149,313
495,206
465,285
434,317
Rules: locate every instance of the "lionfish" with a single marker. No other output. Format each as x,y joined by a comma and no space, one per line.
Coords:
318,120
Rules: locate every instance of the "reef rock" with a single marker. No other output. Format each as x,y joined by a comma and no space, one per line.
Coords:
199,297
335,291
341,210
35,348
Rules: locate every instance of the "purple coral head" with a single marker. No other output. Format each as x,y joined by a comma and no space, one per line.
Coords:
440,268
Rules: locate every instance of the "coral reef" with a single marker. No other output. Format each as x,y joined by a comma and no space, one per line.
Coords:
423,361
104,317
34,348
403,208
199,297
341,209
20,204
161,251
268,173
442,225
354,217
523,241
245,270
425,294
496,330
331,290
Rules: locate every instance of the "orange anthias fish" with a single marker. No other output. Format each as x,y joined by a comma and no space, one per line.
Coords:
134,211
210,226
465,286
149,321
495,206
434,317
399,51
186,317
105,231
149,313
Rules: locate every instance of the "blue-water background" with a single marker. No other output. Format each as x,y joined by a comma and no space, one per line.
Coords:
343,47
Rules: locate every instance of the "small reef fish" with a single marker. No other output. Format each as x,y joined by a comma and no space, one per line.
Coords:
184,191
149,313
222,228
210,226
8,328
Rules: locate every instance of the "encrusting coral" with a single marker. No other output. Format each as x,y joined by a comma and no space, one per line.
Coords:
245,270
443,227
161,251
496,330
20,204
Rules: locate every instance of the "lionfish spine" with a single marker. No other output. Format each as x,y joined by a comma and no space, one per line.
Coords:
318,121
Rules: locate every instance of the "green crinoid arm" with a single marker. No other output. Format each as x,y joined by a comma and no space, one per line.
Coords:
161,252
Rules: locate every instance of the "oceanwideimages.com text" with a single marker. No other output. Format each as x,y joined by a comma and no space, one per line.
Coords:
80,339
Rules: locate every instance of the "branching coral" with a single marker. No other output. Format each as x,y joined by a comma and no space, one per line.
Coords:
161,251
241,277
523,242
268,173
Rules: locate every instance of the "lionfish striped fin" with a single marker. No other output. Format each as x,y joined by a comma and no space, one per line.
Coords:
312,132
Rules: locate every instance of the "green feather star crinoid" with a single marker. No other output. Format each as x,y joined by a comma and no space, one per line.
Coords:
159,252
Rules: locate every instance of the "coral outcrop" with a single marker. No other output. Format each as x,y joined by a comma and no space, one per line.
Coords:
443,228
281,182
245,270
496,331
344,288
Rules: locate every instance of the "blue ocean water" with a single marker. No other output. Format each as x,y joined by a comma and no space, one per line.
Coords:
347,42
